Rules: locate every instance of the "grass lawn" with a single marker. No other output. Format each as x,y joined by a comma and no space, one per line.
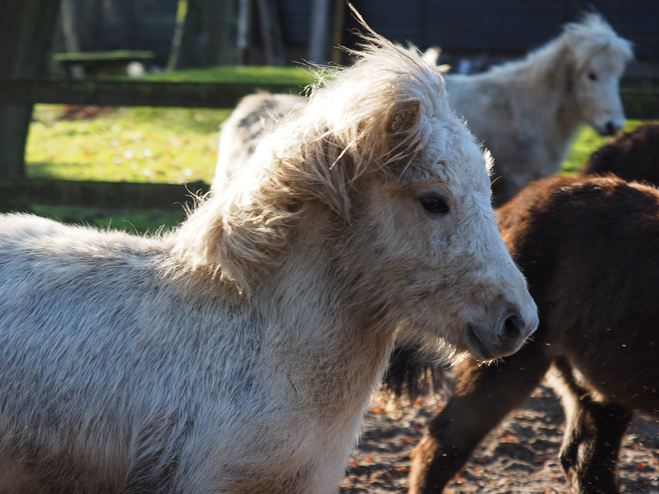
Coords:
586,142
171,145
253,74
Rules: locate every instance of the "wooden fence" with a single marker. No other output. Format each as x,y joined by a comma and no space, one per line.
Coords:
21,192
18,192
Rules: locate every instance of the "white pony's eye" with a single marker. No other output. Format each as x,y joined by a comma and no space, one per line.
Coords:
434,203
592,76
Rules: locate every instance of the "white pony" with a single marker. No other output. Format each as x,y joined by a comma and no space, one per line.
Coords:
526,112
237,354
255,116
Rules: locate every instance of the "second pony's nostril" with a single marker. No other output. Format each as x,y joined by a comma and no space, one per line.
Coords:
610,129
510,327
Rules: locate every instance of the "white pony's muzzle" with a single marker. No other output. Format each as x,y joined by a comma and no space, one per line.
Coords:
510,333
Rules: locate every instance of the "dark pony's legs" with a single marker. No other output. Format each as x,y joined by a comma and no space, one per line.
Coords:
593,437
484,395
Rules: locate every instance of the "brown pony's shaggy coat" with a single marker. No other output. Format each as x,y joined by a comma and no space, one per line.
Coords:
589,248
632,156
238,353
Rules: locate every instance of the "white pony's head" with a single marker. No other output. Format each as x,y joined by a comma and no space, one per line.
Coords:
377,196
601,56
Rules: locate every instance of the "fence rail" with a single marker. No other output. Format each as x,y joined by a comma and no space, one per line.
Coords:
21,192
133,93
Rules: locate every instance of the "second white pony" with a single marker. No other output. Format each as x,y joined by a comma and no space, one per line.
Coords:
527,112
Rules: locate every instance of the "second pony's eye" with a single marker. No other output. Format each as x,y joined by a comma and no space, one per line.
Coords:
434,203
592,76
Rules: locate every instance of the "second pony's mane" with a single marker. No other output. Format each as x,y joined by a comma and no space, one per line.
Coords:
583,39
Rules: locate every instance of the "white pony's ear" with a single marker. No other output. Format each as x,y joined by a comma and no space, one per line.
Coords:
489,161
431,55
404,126
388,142
349,149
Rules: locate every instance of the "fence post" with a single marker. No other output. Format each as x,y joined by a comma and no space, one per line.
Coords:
26,32
319,39
208,34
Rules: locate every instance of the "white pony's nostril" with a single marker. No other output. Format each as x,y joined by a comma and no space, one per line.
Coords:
511,326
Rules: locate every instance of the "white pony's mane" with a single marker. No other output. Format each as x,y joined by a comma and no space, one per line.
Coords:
594,34
385,77
371,118
586,38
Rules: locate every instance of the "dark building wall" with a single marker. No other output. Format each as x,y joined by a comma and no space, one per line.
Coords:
504,27
295,18
103,25
491,27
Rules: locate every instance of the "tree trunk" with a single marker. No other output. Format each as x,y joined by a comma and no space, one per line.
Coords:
26,32
71,44
209,34
319,39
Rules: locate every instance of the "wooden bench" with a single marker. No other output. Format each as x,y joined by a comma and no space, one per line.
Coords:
102,63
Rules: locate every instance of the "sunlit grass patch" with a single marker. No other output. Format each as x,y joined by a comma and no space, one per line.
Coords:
249,74
169,145
586,142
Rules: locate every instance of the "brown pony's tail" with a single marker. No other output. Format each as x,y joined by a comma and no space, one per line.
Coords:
409,376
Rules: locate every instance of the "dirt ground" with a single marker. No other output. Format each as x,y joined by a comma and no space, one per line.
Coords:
519,457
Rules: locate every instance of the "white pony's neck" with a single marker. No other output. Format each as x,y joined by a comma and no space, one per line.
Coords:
544,77
327,357
339,337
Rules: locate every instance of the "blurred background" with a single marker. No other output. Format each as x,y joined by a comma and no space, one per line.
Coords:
134,91
284,32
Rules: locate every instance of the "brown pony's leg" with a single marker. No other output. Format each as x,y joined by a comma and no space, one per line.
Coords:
484,395
593,437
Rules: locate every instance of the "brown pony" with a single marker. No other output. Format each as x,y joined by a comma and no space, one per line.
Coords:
632,155
589,248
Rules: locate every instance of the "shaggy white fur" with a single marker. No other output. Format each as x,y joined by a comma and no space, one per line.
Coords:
237,354
255,115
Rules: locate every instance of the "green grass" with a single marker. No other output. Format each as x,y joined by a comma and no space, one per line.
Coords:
586,142
127,144
171,145
247,74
